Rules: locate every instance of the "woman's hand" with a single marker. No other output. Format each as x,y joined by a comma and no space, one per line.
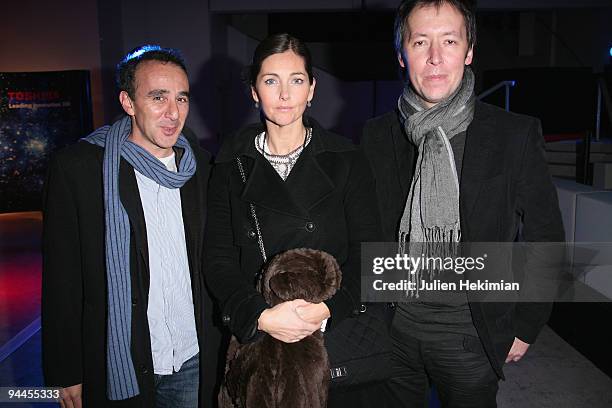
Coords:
285,324
313,313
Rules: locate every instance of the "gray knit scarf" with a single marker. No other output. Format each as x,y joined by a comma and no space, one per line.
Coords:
121,377
431,214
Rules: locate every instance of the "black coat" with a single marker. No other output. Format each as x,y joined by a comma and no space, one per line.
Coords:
504,182
74,295
326,203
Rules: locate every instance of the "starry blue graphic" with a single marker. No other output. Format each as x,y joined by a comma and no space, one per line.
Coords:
34,122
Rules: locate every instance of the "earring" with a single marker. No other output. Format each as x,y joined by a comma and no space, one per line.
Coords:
308,104
256,105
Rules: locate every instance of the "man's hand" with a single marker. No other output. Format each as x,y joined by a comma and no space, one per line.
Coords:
283,322
70,397
517,351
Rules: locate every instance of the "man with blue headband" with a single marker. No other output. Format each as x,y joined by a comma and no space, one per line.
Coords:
126,318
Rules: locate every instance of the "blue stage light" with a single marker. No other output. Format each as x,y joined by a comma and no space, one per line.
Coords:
611,51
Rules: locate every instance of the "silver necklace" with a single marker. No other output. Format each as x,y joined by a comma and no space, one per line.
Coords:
282,163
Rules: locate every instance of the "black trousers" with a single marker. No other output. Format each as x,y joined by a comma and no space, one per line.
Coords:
365,396
458,368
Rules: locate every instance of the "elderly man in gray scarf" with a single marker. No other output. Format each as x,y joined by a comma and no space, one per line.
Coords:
451,169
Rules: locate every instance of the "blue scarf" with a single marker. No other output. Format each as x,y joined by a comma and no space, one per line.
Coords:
121,377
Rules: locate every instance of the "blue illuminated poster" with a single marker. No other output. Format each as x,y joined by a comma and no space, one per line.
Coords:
39,113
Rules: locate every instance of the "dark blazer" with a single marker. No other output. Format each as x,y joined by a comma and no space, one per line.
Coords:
325,203
504,183
74,296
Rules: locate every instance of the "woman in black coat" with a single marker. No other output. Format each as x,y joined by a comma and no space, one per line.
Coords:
309,187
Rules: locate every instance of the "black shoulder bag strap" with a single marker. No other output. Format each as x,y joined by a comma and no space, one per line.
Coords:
262,249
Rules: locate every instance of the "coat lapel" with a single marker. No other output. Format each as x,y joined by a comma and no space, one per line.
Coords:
266,189
308,194
193,223
130,198
191,210
404,157
479,148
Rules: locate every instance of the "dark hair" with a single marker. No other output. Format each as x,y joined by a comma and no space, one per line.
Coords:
277,44
126,69
465,7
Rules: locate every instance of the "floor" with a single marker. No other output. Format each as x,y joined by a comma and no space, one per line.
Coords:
553,374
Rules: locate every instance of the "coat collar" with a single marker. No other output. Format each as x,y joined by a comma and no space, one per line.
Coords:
307,184
130,199
480,146
405,155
